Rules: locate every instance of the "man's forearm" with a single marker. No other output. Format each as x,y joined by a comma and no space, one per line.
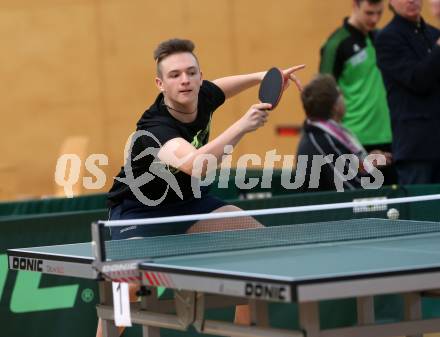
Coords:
183,156
230,136
216,148
233,85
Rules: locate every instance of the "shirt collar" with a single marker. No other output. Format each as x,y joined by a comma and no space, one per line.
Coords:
352,29
356,32
410,24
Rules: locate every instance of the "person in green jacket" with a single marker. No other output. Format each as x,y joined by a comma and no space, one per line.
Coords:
350,56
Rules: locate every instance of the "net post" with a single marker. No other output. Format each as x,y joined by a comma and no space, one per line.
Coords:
98,242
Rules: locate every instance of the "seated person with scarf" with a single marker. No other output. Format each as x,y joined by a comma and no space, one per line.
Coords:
329,156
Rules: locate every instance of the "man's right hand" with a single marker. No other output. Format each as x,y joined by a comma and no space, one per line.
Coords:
255,117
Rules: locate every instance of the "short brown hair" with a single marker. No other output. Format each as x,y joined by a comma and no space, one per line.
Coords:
170,47
319,97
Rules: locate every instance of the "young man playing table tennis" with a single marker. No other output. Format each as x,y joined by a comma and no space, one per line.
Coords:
172,134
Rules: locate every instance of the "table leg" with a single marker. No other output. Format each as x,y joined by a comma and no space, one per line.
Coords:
150,302
309,318
109,328
259,313
365,310
413,308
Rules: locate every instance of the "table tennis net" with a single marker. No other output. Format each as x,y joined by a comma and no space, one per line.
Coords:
266,237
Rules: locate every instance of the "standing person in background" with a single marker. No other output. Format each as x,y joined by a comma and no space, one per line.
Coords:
408,51
350,56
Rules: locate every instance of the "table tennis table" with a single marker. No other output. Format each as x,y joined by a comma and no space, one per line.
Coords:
303,264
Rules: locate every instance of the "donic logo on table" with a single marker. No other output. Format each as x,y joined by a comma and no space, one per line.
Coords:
157,169
265,291
23,263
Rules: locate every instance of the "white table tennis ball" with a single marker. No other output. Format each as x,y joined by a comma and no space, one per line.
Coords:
393,214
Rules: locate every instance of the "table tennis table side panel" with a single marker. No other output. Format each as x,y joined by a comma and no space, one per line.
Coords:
66,260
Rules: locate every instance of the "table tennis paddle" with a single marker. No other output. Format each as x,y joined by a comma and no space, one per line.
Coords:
271,87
